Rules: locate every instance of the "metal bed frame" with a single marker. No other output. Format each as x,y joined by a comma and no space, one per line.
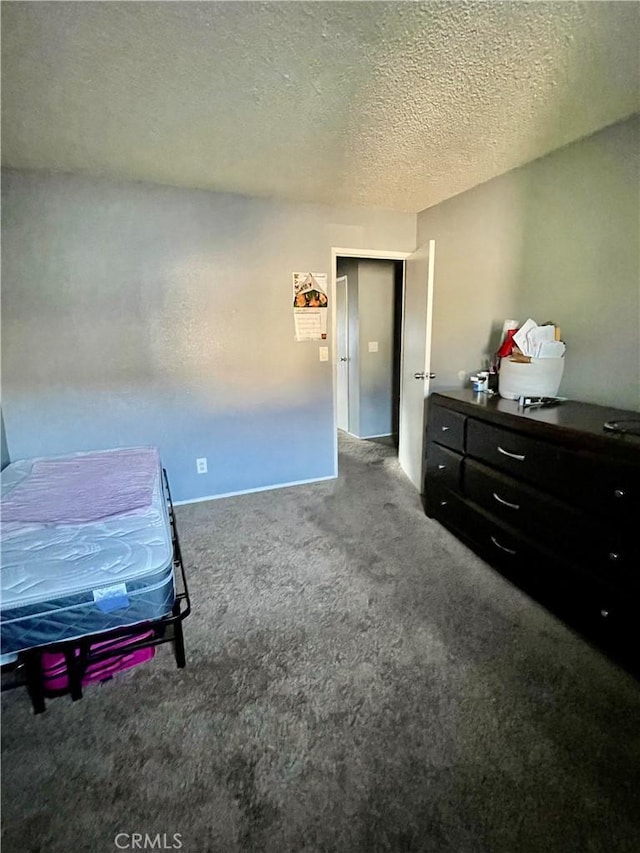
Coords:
27,671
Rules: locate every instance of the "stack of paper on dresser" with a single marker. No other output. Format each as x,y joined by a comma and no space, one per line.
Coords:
536,341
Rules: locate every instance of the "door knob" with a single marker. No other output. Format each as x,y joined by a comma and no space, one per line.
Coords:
424,375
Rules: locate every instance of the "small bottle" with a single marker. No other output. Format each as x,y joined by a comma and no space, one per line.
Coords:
493,374
480,382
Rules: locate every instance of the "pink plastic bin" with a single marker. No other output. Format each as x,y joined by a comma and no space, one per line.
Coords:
54,667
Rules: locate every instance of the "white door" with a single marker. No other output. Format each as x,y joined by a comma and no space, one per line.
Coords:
416,359
342,353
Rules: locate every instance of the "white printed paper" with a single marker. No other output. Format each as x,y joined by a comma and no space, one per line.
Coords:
520,337
538,341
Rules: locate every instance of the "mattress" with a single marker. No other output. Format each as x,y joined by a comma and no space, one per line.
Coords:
86,546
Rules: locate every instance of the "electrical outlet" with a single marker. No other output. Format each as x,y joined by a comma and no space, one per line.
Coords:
201,465
373,346
462,375
324,353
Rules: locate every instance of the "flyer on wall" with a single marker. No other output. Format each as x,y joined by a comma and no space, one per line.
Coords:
310,303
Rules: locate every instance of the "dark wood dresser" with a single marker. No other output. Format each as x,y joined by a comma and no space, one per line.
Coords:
548,497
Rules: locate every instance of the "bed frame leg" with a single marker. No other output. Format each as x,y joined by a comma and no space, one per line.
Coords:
74,670
33,671
178,639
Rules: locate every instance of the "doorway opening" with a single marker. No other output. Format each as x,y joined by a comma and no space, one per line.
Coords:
416,345
368,322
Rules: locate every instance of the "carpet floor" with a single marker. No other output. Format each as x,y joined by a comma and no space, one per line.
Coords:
357,681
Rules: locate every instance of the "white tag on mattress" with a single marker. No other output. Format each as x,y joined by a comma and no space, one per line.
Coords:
111,597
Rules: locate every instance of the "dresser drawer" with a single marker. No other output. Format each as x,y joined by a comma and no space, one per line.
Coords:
499,545
509,550
443,467
551,523
519,455
614,559
446,427
595,606
603,485
604,615
448,508
591,543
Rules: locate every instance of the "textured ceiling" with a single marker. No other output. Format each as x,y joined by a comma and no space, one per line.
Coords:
393,105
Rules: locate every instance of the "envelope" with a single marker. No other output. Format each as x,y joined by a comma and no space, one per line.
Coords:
520,336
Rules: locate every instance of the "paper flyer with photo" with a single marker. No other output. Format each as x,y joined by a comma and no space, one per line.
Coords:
310,303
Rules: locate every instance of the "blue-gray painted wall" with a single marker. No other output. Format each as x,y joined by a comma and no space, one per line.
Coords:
139,314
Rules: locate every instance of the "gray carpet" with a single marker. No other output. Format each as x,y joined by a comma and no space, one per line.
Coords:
356,681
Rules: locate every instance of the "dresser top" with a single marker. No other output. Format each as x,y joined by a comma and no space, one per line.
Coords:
568,422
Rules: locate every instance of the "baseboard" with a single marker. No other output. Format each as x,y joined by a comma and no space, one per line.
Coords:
364,437
252,491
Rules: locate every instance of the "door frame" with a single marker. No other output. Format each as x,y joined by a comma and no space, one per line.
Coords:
365,255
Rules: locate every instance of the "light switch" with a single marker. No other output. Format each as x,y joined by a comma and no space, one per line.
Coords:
324,353
373,346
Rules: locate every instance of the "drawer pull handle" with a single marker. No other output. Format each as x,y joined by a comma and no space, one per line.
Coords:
619,493
502,547
441,467
505,503
444,429
510,455
443,503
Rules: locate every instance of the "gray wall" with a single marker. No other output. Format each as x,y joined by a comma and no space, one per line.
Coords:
559,240
4,449
137,314
375,295
370,295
